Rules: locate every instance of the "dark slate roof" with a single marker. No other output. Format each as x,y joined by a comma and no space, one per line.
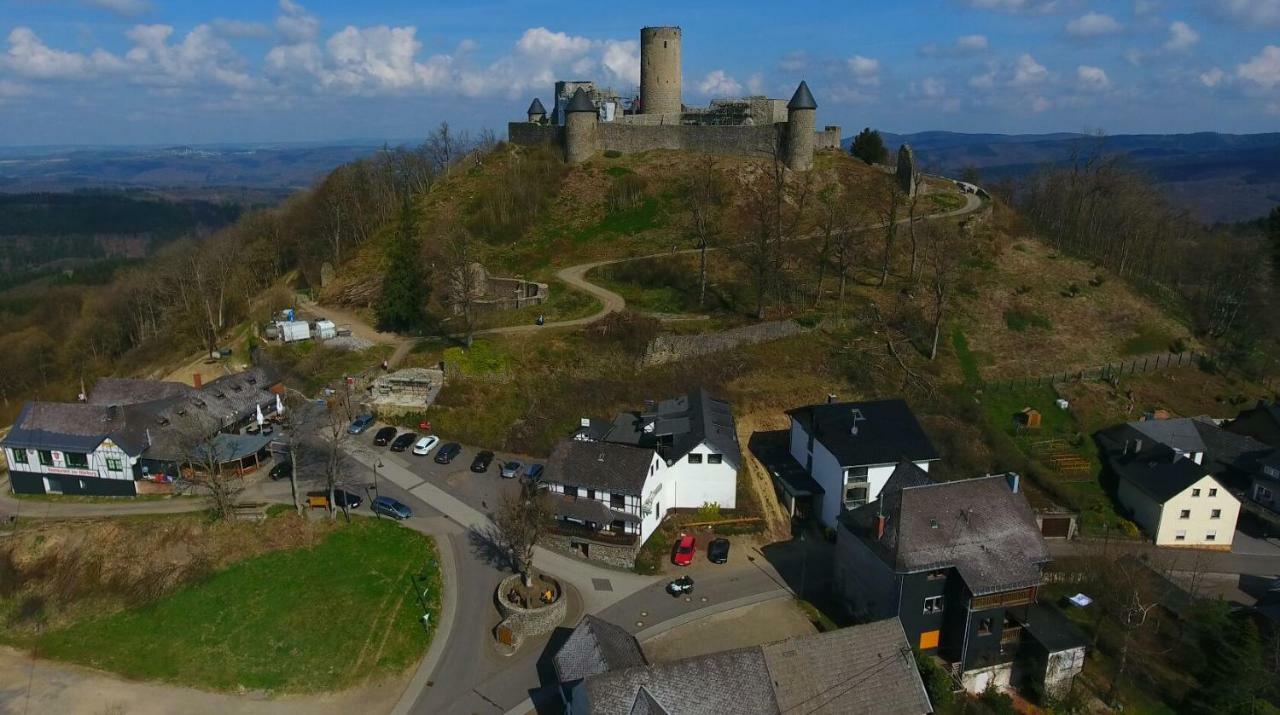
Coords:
1052,629
536,107
864,669
1222,450
1158,472
73,427
614,468
130,391
980,527
1227,450
802,99
580,103
596,646
677,425
887,432
646,704
735,681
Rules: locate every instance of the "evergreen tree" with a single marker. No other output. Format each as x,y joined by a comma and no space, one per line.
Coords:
1231,676
869,147
404,284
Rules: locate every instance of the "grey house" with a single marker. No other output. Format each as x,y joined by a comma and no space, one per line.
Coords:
860,670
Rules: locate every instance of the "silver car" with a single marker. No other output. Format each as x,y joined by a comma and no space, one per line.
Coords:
511,469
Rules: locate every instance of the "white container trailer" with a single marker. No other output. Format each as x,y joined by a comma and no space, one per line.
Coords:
294,330
325,329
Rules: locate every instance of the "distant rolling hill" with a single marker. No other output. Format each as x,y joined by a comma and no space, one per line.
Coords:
1218,177
219,172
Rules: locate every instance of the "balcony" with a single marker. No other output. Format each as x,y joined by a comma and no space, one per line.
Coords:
1007,599
1011,636
577,531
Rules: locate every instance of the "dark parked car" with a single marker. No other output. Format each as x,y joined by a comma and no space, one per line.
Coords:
346,500
384,436
390,507
447,452
718,551
403,441
533,474
281,470
482,461
360,424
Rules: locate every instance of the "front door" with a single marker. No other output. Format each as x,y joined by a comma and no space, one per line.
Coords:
52,486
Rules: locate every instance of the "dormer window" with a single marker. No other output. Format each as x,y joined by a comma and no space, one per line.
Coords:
695,458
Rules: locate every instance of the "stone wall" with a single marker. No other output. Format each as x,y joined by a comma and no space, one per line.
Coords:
828,138
617,555
529,622
527,134
631,138
672,348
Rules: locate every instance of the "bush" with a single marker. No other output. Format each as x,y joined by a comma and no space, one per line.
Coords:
1179,345
998,702
936,681
612,153
627,192
1097,280
1019,319
709,511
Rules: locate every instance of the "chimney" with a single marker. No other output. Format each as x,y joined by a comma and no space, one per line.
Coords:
197,380
880,523
1015,481
113,413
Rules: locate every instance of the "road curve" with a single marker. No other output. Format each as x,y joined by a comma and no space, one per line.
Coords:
610,302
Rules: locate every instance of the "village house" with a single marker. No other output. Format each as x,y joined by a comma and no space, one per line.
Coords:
1261,422
860,670
1174,499
129,433
959,564
613,482
849,450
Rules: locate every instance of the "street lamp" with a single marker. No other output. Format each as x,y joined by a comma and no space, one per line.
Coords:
376,466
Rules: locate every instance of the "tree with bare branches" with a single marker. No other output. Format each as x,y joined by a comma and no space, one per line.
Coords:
703,195
944,255
776,212
884,199
460,257
203,462
521,520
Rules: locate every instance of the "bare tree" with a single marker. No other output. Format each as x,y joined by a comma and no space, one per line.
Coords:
775,210
703,194
885,198
445,147
460,258
913,216
943,258
521,520
337,417
203,462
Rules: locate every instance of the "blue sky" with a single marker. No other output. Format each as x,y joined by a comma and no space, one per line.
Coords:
171,71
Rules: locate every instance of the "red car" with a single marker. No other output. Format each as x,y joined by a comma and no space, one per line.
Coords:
683,555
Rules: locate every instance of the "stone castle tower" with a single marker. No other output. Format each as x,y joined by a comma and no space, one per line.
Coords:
802,121
660,70
590,119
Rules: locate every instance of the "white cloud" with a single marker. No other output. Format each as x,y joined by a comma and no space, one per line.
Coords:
794,61
239,28
755,83
1093,24
1250,14
963,45
1015,6
1263,69
1212,77
984,81
10,89
719,84
124,8
1092,79
1181,37
621,58
865,70
931,88
1040,104
971,43
201,56
1143,8
539,42
29,57
1027,72
295,24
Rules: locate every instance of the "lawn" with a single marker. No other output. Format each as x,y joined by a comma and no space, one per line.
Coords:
303,620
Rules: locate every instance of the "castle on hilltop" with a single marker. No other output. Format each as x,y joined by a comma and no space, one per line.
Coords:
586,119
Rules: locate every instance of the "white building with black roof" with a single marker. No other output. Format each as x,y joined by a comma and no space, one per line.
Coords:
850,449
613,482
130,430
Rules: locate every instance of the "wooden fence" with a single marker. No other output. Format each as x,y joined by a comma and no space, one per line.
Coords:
1134,366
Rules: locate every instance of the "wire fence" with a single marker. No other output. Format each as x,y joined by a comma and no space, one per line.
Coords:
1108,372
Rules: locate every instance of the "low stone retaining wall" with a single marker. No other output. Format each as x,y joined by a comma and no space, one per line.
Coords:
617,555
672,348
518,622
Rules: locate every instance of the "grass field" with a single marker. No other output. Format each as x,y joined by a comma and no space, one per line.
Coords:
304,620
